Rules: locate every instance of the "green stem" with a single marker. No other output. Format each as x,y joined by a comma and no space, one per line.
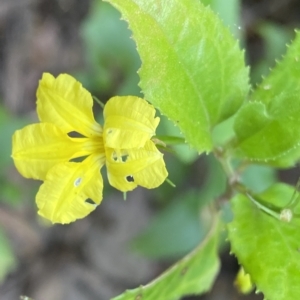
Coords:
170,182
264,208
225,162
235,186
98,101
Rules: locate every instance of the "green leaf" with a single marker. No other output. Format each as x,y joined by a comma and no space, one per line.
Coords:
194,274
192,68
267,128
267,248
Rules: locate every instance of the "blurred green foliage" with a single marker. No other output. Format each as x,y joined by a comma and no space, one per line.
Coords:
8,125
182,225
9,191
230,13
258,177
275,37
110,54
7,257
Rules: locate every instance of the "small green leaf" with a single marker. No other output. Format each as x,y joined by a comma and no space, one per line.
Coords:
192,68
194,274
267,248
267,128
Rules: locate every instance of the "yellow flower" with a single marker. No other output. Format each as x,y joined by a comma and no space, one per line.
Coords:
70,166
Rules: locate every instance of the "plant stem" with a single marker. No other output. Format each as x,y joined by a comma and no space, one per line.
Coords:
98,101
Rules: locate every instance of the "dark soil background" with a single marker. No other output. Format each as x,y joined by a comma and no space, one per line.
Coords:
90,259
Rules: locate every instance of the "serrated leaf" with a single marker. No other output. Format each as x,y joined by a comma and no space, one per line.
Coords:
194,274
192,68
267,128
267,248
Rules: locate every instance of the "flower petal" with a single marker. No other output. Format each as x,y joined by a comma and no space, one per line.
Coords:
38,147
129,168
128,122
64,102
66,194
